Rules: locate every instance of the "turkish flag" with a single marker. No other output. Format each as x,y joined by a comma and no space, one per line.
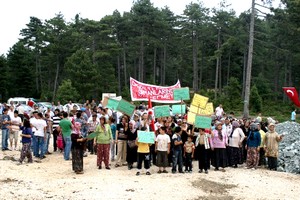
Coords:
292,93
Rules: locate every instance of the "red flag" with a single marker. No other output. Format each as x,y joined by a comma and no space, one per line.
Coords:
150,115
292,93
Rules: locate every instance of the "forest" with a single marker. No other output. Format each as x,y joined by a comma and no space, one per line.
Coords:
206,49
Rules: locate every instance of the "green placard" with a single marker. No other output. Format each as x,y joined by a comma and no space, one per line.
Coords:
202,122
112,104
126,107
181,94
146,137
92,135
161,111
178,109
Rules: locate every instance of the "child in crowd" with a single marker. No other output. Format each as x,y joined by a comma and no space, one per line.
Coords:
143,154
26,141
162,147
189,149
177,150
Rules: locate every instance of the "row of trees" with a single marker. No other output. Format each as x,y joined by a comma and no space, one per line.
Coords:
205,48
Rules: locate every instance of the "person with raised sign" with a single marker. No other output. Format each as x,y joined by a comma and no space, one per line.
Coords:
143,154
162,147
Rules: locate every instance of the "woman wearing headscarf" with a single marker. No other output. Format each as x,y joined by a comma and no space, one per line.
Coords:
131,145
218,144
77,148
102,140
252,147
235,139
271,146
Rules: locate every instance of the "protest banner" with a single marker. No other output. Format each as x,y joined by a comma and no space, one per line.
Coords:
126,107
141,91
112,104
146,137
178,109
199,101
191,118
181,94
202,122
161,111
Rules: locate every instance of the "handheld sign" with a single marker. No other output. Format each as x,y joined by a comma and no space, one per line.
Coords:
161,111
146,137
200,101
112,104
92,135
191,118
178,109
181,94
126,107
202,122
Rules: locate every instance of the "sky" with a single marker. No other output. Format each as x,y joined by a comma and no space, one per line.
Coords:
15,14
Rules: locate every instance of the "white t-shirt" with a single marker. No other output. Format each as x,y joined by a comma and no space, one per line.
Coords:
219,111
40,124
162,142
32,122
16,122
20,110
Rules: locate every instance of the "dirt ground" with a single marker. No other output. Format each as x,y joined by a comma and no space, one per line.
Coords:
52,178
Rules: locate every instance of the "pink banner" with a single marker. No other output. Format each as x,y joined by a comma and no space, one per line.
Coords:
141,91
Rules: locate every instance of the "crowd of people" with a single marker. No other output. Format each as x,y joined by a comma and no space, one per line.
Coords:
96,130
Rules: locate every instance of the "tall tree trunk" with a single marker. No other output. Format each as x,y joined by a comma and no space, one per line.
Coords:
277,75
228,67
141,59
125,65
37,74
244,72
201,66
249,63
56,77
161,66
165,63
220,76
195,61
217,65
119,75
154,65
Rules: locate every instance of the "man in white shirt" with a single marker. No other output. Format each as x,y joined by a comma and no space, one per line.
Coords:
15,128
40,136
219,112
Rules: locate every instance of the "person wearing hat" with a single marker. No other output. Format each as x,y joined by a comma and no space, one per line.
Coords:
271,146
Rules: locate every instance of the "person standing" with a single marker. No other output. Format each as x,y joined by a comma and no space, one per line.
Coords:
16,122
177,150
113,141
202,148
253,147
131,145
102,140
121,141
219,112
189,149
26,140
293,115
5,119
66,127
271,146
92,125
218,143
40,136
162,147
77,149
55,123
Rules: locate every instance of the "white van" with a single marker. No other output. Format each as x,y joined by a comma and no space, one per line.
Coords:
17,100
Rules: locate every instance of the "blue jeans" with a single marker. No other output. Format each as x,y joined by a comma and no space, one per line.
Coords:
67,149
33,141
39,146
5,134
177,159
46,146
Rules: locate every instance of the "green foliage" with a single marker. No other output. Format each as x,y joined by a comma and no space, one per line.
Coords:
66,92
255,100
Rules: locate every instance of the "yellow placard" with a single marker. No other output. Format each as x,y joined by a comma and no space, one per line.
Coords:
210,108
200,101
194,109
191,118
